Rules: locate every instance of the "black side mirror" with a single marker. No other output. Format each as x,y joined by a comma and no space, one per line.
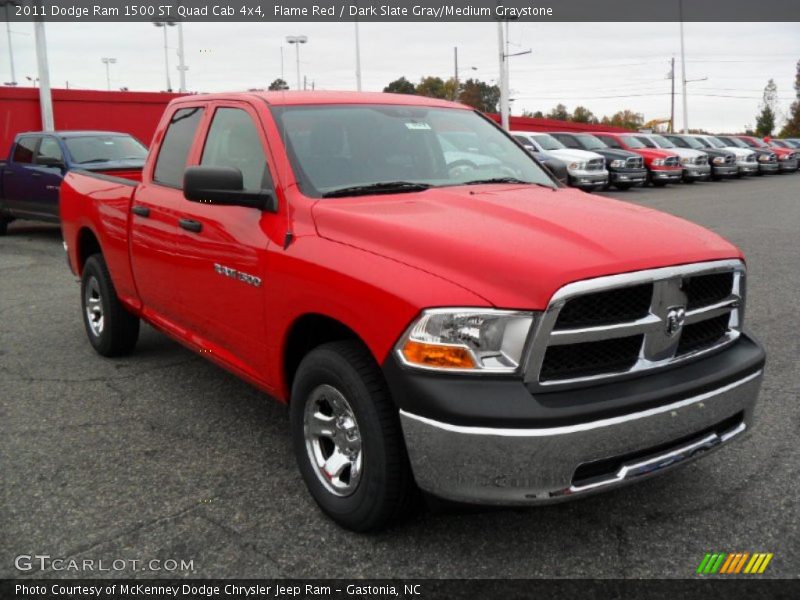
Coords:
48,161
224,185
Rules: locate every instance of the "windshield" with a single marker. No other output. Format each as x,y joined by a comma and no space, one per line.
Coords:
647,142
732,141
715,142
589,142
104,148
692,142
755,143
548,142
333,148
703,142
632,142
662,141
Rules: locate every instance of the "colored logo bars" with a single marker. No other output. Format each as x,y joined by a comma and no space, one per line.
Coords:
733,563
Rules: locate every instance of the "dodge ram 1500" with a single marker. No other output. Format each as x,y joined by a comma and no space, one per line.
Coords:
481,333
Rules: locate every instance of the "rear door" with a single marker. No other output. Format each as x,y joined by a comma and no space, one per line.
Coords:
222,249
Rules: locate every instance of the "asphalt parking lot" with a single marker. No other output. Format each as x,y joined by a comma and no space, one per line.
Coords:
162,455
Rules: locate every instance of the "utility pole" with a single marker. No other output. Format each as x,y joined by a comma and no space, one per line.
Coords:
503,77
455,79
182,68
358,59
10,47
672,98
683,73
297,40
45,97
165,25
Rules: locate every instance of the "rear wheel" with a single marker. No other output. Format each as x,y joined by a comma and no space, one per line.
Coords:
347,438
111,329
4,225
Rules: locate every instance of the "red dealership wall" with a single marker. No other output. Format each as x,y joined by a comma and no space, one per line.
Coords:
138,113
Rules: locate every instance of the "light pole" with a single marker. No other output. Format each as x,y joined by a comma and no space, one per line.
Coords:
358,60
5,4
164,25
297,40
182,68
107,61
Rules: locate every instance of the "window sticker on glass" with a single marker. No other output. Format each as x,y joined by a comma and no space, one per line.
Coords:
418,126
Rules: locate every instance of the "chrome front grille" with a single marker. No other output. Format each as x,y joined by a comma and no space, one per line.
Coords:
596,164
622,325
701,160
634,162
730,159
672,161
750,158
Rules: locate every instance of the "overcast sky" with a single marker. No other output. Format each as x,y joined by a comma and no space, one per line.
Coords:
604,66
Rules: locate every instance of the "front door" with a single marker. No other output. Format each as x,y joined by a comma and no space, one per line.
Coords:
223,249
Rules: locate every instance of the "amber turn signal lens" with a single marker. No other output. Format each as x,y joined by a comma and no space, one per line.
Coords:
435,355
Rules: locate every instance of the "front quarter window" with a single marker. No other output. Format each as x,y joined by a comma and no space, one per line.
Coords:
334,149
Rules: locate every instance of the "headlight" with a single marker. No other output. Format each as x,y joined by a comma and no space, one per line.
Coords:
763,157
659,162
719,160
577,166
687,160
617,164
463,339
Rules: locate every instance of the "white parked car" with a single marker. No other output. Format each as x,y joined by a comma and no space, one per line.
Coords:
695,163
587,170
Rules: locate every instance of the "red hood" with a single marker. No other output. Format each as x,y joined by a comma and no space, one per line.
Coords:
515,246
652,153
781,152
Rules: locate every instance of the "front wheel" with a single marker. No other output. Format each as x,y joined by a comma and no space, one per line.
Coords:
4,225
111,329
624,186
347,438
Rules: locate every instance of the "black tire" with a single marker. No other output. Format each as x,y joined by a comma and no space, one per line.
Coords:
118,329
624,186
659,183
4,226
385,490
689,180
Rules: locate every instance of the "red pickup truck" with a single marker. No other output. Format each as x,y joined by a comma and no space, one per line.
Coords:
480,333
663,166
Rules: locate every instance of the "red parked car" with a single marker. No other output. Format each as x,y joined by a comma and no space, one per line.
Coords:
788,160
663,167
481,332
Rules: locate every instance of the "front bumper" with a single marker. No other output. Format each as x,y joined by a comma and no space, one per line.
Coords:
747,168
768,167
588,179
498,460
674,175
632,176
725,170
787,166
695,172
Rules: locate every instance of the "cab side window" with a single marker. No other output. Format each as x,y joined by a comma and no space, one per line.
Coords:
233,141
568,141
23,153
49,151
175,146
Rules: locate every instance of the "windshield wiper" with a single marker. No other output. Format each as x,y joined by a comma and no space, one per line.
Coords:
386,187
94,160
506,180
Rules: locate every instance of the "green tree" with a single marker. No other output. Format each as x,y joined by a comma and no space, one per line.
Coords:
480,95
559,113
434,87
792,127
581,114
765,121
400,86
278,85
533,115
627,119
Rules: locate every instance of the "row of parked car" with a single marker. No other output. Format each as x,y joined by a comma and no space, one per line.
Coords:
592,161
